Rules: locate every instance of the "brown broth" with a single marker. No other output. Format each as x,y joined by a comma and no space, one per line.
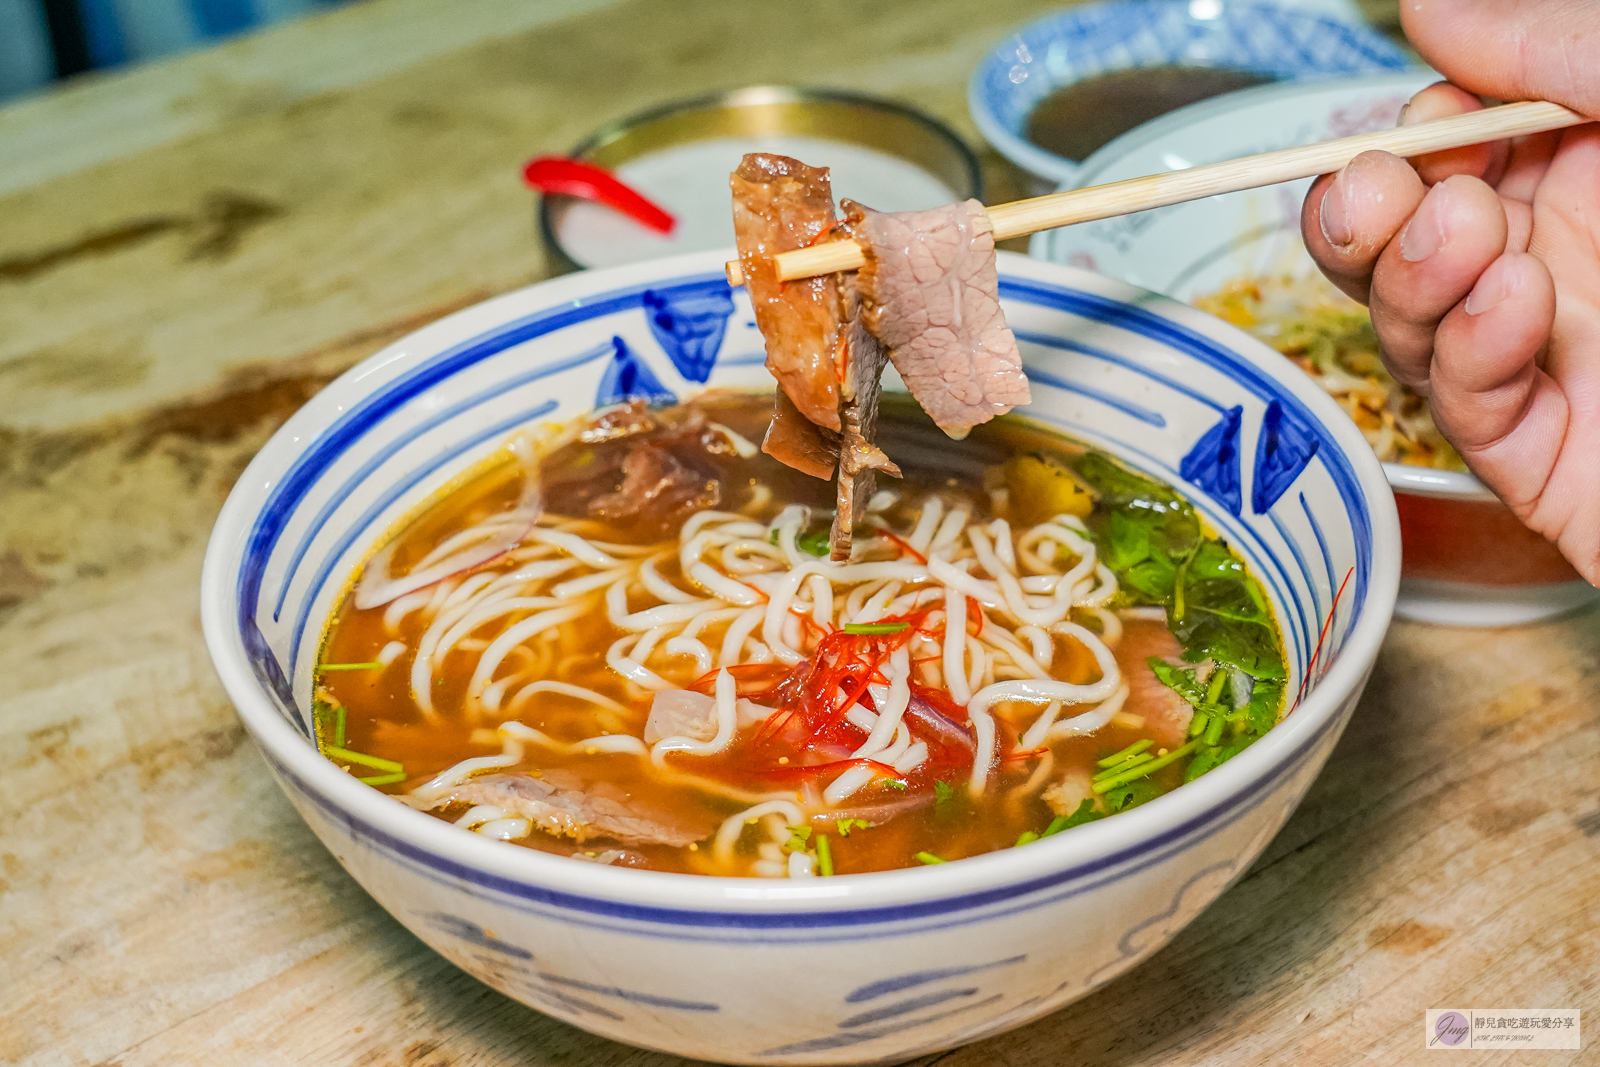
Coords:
1077,119
382,718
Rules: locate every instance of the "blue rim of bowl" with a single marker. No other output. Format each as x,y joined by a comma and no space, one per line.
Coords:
1257,771
1369,51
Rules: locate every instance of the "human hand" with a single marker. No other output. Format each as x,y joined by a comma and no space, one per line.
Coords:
1481,266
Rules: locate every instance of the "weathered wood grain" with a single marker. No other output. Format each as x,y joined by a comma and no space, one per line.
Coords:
166,301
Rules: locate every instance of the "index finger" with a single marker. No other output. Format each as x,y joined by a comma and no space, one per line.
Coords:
1350,217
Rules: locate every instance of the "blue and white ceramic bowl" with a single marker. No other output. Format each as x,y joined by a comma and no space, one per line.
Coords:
1286,41
893,964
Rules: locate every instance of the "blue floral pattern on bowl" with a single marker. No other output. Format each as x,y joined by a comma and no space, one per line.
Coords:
1269,39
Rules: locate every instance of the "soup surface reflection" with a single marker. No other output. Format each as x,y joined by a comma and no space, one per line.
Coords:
624,643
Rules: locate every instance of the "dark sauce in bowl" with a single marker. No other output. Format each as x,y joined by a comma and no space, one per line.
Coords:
1076,119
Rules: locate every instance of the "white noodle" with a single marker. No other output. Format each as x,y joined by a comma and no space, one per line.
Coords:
632,669
927,525
507,829
733,826
658,586
489,662
955,645
591,746
565,689
727,696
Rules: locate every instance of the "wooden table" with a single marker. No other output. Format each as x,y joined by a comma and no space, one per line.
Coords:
188,251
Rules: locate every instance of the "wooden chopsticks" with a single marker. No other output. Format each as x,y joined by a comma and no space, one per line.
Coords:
1023,217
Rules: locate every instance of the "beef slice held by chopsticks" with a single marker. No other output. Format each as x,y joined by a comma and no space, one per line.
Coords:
931,294
780,204
827,364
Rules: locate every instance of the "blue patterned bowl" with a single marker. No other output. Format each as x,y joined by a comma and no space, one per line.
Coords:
1276,40
894,964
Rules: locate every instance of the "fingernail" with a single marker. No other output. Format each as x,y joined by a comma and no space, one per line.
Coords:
1334,214
1494,285
1424,234
1404,118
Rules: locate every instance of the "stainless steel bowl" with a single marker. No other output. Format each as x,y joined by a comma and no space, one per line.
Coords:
768,110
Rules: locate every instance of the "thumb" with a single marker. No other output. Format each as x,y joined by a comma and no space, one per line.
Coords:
1512,49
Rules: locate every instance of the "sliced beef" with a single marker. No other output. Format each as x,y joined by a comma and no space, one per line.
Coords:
859,458
932,296
681,713
657,485
796,441
779,205
624,420
1166,714
563,804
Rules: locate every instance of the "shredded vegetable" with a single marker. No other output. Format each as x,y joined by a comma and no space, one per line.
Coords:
1330,337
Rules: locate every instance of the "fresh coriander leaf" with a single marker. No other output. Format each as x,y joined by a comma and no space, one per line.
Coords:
1086,813
1131,795
1213,560
1266,701
799,836
1126,544
943,794
1180,679
846,825
1118,484
1154,578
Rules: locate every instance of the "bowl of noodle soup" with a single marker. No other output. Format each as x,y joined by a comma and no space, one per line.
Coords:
901,956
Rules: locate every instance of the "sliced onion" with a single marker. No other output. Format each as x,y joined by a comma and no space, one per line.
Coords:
940,725
378,587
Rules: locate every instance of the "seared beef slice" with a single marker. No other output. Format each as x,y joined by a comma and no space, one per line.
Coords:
859,457
932,296
780,204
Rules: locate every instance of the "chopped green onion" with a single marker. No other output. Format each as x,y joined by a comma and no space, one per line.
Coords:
1219,678
1126,765
1213,732
1028,837
824,856
1197,724
323,668
928,858
1145,768
338,726
893,783
384,779
813,544
875,627
364,760
1132,750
